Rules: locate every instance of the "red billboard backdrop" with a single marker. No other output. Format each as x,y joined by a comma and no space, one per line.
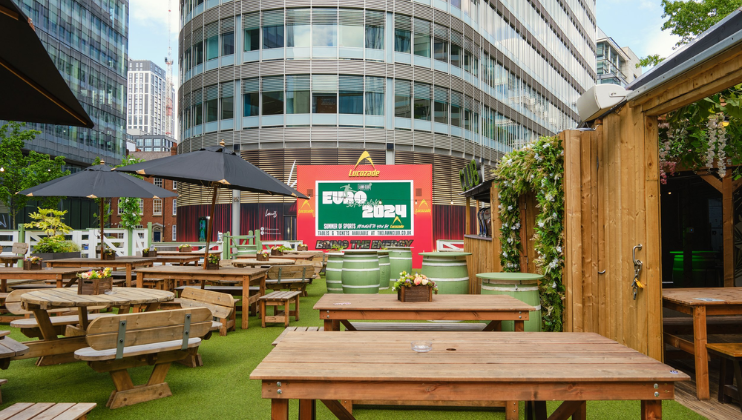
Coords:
366,206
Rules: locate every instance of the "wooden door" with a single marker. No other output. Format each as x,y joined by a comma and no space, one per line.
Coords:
612,205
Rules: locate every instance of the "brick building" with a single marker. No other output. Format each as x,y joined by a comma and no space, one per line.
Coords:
161,212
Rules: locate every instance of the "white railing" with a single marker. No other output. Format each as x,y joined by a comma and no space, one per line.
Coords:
449,245
87,239
7,239
290,244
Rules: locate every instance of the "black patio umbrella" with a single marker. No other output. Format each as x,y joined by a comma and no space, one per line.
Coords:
31,87
214,167
99,181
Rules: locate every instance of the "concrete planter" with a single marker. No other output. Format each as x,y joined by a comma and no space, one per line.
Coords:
55,256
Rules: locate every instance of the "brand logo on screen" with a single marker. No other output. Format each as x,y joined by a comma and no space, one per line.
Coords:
356,173
306,208
423,207
272,214
397,223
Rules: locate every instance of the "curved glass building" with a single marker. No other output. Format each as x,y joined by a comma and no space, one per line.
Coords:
428,81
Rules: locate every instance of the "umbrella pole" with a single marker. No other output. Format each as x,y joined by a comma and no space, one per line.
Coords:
102,244
211,224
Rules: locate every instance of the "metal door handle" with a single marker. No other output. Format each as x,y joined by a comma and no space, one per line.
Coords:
633,255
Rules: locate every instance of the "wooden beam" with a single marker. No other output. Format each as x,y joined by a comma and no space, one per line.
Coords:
467,217
338,409
727,205
9,12
713,181
697,94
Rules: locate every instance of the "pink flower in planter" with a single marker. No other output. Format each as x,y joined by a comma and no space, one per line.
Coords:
418,280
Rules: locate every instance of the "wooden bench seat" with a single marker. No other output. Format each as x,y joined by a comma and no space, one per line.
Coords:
9,348
221,306
290,277
56,320
276,300
120,342
289,329
730,355
47,411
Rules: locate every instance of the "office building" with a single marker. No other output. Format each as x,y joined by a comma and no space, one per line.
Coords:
149,99
425,81
151,142
616,65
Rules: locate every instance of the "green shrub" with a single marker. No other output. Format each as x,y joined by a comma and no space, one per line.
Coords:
55,244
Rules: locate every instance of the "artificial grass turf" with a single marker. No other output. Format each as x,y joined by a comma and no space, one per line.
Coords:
221,389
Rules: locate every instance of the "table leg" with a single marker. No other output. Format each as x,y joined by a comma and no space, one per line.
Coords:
4,286
520,326
511,410
701,355
246,303
493,326
140,280
82,313
60,282
151,307
128,275
279,409
332,325
307,409
651,410
45,324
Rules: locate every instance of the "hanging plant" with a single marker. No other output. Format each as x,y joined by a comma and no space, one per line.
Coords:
538,167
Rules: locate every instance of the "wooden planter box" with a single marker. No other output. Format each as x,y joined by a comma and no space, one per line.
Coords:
185,249
276,253
262,257
109,257
149,254
211,266
27,266
94,286
302,247
415,294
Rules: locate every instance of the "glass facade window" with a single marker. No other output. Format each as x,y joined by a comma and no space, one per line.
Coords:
212,41
251,28
324,93
297,94
422,101
351,95
298,28
198,114
375,30
227,100
251,97
273,95
456,50
402,33
227,29
198,52
175,211
402,99
375,95
212,108
273,29
324,27
440,111
422,37
351,28
158,181
457,102
440,43
157,207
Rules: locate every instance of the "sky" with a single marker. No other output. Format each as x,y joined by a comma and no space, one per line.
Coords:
631,23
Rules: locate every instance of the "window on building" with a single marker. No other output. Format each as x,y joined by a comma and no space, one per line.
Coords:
375,29
351,28
273,95
297,94
324,93
324,27
422,101
212,106
402,99
227,100
158,182
457,102
212,41
402,33
157,207
198,47
456,42
375,95
141,207
298,28
440,43
351,95
251,28
175,206
273,29
174,237
227,30
118,207
198,114
441,105
422,38
251,97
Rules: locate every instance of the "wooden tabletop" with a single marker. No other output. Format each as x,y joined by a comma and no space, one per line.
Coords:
504,357
10,257
44,273
197,271
704,296
292,255
97,262
253,262
68,297
199,253
440,303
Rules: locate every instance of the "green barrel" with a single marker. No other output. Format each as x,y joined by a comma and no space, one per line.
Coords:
360,271
400,259
384,269
448,270
334,272
522,286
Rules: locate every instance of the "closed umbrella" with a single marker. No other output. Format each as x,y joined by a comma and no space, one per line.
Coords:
214,167
31,87
99,181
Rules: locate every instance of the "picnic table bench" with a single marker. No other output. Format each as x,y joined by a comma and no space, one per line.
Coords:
276,300
47,411
118,343
9,348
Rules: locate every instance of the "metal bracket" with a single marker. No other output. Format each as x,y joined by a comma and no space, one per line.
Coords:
121,340
186,331
304,273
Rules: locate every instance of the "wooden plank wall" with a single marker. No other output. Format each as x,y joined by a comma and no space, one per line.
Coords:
528,211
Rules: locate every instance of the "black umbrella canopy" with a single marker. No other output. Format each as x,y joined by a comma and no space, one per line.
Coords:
99,181
213,166
31,87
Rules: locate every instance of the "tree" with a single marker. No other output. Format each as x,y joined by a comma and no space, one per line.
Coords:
19,171
129,206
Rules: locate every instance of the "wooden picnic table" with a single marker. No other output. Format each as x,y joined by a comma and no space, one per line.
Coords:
183,259
41,301
700,303
56,274
224,275
472,366
200,254
293,255
10,260
252,262
129,263
335,309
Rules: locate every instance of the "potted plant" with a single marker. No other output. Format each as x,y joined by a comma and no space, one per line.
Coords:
32,263
109,254
302,247
152,252
337,248
184,248
53,246
277,250
212,262
414,288
263,255
95,282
